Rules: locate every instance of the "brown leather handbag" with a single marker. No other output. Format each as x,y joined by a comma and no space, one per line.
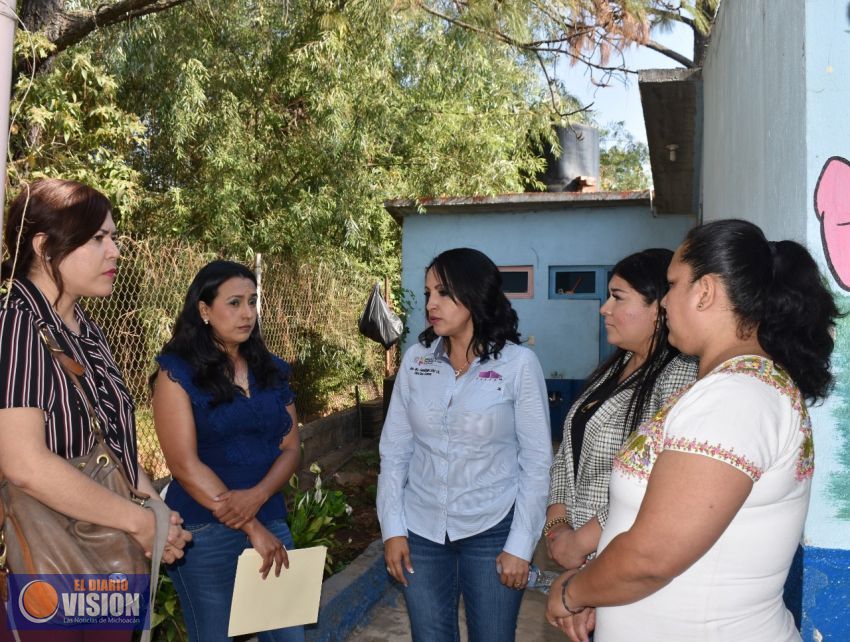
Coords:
35,539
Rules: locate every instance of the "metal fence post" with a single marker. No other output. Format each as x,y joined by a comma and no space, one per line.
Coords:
7,45
258,270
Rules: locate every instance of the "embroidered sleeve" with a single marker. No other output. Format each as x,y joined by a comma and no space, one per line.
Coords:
732,418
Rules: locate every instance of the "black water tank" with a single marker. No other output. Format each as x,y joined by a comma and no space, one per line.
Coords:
579,157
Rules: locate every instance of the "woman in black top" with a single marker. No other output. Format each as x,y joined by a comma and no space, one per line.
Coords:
61,237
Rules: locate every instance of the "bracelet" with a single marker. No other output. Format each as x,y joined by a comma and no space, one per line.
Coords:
564,598
552,523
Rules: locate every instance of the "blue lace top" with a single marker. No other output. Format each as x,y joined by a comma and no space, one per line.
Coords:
238,440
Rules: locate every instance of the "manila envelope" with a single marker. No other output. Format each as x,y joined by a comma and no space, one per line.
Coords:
276,602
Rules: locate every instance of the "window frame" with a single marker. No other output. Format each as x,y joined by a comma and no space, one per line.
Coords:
529,270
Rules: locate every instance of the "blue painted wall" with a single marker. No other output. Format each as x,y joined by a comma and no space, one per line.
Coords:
777,90
565,332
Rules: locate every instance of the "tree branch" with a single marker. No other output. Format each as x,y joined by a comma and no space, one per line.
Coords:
72,26
66,28
674,55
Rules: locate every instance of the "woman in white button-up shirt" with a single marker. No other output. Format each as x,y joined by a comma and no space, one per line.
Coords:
465,453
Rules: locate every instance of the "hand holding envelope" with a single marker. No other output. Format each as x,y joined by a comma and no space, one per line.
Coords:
276,602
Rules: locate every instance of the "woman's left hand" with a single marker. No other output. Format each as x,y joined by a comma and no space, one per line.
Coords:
577,626
235,508
513,570
178,537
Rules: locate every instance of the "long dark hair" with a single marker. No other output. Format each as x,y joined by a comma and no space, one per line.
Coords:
473,280
194,341
68,213
646,272
775,287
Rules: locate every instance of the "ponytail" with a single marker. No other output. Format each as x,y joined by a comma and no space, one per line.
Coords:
775,287
799,314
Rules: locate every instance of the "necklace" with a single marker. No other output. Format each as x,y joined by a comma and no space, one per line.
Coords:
462,369
240,378
586,407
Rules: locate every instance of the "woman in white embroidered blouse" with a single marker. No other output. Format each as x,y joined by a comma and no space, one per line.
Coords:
709,497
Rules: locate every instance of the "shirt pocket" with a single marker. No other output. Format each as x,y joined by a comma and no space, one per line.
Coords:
482,394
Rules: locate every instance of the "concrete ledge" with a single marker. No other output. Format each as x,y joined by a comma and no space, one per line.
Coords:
329,433
348,596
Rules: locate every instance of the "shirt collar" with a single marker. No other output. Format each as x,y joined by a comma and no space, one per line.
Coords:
438,351
34,300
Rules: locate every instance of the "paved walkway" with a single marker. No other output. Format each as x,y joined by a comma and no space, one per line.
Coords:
388,622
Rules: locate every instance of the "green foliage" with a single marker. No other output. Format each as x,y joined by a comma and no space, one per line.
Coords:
286,129
167,623
67,124
369,459
316,515
624,162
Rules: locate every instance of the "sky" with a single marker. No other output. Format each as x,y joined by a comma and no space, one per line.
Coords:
617,101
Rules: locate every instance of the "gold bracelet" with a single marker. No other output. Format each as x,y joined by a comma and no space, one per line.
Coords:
552,523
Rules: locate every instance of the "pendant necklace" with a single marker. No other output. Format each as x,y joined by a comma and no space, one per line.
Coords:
461,370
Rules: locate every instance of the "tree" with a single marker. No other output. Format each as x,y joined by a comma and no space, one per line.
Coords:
623,160
283,126
591,32
66,123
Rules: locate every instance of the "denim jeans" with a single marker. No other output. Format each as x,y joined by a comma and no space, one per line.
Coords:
204,581
467,567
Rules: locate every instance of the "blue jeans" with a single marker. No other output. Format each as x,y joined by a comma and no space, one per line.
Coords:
467,567
204,581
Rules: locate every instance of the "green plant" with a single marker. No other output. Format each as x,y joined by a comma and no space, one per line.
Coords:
167,622
367,458
317,514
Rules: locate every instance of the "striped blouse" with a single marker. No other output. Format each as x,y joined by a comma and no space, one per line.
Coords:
31,378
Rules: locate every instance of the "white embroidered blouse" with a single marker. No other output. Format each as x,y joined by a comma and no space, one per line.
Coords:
749,414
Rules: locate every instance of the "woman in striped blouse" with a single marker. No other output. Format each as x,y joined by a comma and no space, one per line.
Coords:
62,240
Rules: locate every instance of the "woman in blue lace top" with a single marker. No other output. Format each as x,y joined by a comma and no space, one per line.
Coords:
224,415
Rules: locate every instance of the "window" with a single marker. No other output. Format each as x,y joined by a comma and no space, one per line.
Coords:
588,282
575,282
518,281
579,282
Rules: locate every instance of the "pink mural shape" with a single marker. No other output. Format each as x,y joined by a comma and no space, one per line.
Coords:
832,206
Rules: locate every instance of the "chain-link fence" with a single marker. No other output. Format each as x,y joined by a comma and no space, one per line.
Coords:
309,317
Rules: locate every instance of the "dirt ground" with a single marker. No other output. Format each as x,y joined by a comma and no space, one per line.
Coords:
357,478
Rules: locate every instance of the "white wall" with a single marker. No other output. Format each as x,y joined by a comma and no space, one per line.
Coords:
754,147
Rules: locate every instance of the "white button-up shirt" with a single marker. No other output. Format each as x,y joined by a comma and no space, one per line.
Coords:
457,454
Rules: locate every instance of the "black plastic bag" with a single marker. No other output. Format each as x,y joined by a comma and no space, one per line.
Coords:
378,322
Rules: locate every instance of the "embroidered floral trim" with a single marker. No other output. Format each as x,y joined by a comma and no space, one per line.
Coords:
806,459
681,444
643,446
